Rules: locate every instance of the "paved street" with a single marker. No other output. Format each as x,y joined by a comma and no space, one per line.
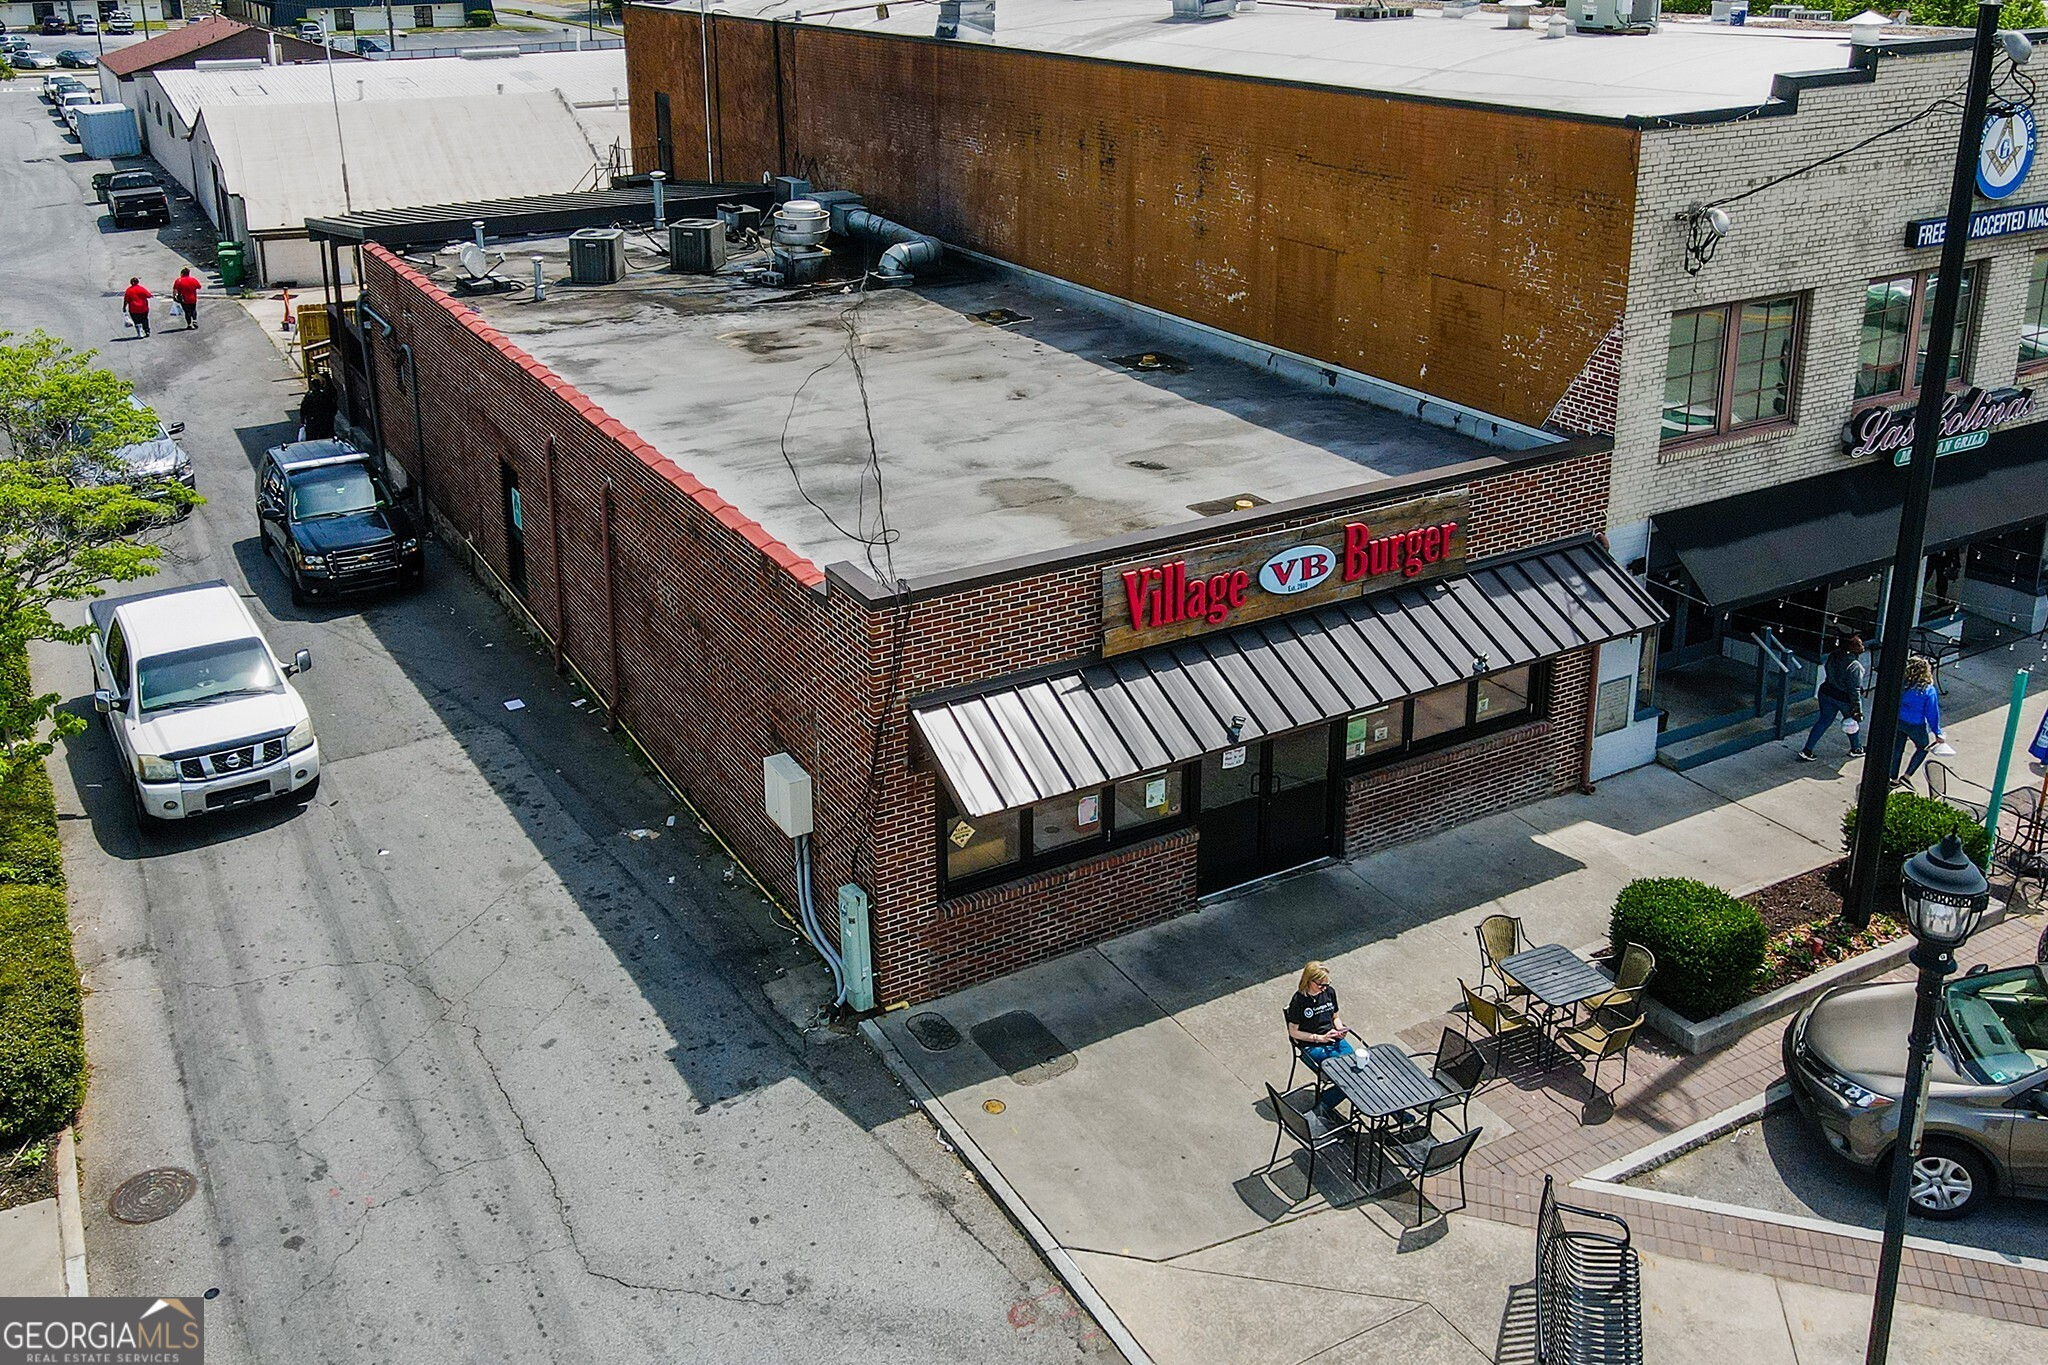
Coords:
465,1071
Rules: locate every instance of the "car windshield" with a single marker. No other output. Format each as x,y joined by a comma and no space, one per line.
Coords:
337,492
132,180
2002,1020
206,673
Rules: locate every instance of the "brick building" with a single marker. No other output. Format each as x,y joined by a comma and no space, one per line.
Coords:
1486,216
1069,614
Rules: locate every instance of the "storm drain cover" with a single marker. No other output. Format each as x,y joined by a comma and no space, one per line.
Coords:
152,1195
1023,1047
934,1032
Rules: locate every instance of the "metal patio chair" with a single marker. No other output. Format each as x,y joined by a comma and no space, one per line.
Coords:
1596,1043
1426,1155
1459,1068
1496,1019
1638,965
1500,936
1310,1131
1301,1059
1940,775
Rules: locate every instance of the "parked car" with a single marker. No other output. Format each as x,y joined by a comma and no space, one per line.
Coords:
136,197
366,45
54,87
32,60
1986,1128
202,712
159,460
86,27
120,25
76,60
53,27
332,523
68,103
310,31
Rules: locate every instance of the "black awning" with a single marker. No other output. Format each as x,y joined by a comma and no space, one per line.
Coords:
1832,527
1019,742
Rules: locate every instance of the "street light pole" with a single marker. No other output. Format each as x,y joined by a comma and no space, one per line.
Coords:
1883,733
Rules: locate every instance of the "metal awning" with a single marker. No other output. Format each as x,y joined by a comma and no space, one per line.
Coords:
1016,743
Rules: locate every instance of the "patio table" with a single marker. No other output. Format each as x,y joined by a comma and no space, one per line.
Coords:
1557,977
1381,1081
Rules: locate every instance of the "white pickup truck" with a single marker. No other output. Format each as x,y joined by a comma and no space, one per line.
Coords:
198,705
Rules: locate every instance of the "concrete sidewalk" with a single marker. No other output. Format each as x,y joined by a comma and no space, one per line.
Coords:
1140,1135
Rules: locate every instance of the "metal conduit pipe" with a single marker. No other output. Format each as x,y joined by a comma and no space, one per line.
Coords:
909,250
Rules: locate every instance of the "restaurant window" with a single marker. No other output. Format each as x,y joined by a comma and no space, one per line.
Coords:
2034,322
1445,716
1147,800
1440,712
1899,308
982,843
1065,821
1384,729
1730,366
979,849
1498,696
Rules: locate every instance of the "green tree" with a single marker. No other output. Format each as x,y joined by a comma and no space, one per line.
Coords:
67,525
1963,13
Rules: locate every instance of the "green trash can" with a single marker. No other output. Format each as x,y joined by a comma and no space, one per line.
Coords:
228,259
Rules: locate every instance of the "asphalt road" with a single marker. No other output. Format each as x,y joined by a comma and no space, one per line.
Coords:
1780,1166
464,1070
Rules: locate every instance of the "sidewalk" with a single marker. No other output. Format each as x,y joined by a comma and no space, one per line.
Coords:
1131,1122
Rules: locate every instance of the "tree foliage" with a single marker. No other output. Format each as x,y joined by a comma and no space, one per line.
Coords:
66,525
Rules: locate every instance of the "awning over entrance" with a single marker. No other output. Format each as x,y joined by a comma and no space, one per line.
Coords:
1017,743
1777,541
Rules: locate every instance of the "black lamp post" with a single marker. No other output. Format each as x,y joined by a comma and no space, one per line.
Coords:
1945,896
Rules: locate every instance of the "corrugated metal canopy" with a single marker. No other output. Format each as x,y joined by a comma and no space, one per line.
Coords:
1017,743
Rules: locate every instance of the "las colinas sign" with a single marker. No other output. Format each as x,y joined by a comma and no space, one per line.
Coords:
1967,418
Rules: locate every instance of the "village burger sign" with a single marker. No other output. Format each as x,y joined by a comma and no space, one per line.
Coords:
1967,419
1217,587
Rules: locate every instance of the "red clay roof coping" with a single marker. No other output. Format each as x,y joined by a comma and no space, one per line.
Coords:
781,555
165,47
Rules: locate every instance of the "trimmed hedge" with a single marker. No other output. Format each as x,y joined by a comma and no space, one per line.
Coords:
1914,823
42,1027
29,852
1708,944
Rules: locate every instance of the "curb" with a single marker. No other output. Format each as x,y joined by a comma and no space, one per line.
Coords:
1056,1256
70,1217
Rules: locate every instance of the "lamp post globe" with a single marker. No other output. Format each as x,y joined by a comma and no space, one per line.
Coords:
1945,895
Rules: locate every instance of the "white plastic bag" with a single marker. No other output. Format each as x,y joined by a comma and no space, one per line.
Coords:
1850,726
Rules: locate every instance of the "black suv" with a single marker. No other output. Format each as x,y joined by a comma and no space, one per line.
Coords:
332,522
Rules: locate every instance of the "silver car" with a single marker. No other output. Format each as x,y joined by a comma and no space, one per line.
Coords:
1987,1107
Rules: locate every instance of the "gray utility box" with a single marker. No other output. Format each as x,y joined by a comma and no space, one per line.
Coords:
696,246
597,255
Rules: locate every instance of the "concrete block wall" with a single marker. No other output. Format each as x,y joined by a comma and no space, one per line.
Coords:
1824,234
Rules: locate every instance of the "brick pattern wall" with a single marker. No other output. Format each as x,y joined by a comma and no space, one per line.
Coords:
1476,254
1824,236
1589,404
1406,801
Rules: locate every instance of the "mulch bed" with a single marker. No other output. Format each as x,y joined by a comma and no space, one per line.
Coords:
1803,917
25,1178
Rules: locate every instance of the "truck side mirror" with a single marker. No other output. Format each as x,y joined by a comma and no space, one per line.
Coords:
103,701
302,662
176,428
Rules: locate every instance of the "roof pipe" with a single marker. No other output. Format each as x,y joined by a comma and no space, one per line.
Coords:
909,250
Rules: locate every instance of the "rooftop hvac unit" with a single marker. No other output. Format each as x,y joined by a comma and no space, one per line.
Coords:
1202,9
696,246
597,255
1613,16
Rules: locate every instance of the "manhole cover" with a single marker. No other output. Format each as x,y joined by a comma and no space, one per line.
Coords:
934,1032
1021,1044
152,1195
994,1106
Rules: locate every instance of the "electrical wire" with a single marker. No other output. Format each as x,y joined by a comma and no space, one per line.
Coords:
1950,100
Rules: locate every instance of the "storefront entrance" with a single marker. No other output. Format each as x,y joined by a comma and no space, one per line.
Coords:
1265,807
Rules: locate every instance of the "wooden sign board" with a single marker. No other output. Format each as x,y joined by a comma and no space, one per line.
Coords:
1222,586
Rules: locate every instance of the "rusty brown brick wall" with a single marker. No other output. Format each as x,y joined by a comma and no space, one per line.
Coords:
1477,254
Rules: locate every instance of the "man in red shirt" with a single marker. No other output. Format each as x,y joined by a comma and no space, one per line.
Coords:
135,302
185,289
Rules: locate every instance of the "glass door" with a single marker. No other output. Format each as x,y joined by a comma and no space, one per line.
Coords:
1266,807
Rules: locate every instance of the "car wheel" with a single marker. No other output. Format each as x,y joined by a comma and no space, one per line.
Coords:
304,795
1949,1181
145,823
300,597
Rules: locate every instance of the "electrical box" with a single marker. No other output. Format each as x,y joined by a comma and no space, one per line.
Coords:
789,794
597,255
857,961
696,246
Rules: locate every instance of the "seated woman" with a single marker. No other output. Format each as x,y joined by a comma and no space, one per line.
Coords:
1314,1027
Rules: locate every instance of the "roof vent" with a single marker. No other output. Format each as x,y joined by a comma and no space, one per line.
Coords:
1376,10
1002,317
971,20
1147,362
1216,507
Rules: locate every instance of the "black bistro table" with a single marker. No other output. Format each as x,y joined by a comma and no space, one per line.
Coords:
1558,977
1381,1081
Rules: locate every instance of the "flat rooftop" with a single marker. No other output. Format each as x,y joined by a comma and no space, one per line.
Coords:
992,441
1687,66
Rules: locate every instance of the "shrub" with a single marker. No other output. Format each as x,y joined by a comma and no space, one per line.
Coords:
42,1028
1708,944
1915,823
29,852
480,18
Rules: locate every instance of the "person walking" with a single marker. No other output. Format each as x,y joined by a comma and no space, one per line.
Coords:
1314,1027
185,289
135,303
1841,695
1919,719
317,410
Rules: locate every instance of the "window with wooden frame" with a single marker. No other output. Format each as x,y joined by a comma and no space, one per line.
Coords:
1900,307
1730,366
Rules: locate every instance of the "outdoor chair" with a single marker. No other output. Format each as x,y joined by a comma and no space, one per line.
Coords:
1596,1043
1638,965
1939,776
1458,1067
2023,849
1497,1019
1425,1155
1300,1060
1618,1007
1500,936
1309,1130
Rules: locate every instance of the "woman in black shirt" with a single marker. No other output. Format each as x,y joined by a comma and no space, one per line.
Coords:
1313,1026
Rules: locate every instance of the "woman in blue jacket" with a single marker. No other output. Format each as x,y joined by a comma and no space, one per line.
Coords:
1919,718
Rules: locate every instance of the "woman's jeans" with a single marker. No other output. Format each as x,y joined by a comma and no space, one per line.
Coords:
1315,1054
1921,736
1830,711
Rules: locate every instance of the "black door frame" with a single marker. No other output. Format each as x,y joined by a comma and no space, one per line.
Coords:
1260,807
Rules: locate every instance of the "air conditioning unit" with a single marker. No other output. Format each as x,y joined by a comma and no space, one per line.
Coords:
597,255
1613,16
1203,9
696,246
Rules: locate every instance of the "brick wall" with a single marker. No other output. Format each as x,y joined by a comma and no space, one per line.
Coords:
1477,254
1589,405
